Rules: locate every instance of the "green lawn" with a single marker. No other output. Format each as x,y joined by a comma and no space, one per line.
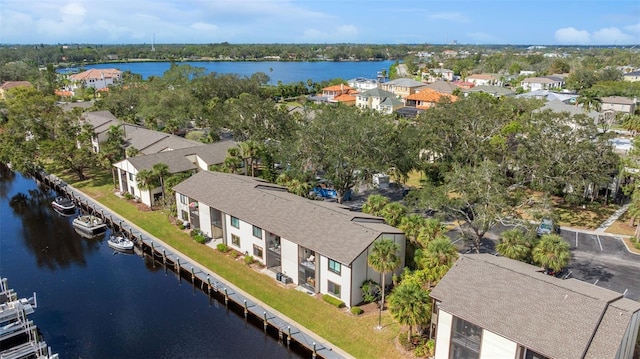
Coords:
355,335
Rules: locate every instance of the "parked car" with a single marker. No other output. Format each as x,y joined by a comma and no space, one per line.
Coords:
547,226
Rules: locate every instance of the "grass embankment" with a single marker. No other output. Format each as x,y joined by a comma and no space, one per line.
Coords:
355,335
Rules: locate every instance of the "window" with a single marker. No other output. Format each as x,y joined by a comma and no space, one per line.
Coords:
465,340
334,266
257,251
185,215
184,199
257,232
130,176
530,354
235,240
235,222
333,288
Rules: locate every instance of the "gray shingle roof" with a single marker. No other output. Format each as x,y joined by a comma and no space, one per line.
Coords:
519,302
617,100
327,228
404,82
178,160
493,90
442,86
559,106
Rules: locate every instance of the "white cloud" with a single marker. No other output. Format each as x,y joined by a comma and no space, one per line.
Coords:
612,36
203,26
634,28
450,16
571,36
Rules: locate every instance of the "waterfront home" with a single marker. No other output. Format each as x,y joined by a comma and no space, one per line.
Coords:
402,87
542,83
190,160
618,104
97,78
427,98
144,140
319,246
488,306
362,84
441,86
379,100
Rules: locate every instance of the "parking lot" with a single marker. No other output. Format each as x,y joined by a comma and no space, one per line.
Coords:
599,259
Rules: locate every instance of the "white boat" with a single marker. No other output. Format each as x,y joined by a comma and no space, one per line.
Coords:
63,204
89,224
119,241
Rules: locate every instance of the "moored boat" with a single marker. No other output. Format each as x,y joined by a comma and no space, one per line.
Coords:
89,224
63,204
120,242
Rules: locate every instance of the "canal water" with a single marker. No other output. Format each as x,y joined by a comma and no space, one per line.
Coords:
97,303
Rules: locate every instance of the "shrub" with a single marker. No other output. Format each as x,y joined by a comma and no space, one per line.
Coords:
200,238
636,242
356,310
425,349
235,254
333,301
248,260
181,226
128,196
222,247
370,290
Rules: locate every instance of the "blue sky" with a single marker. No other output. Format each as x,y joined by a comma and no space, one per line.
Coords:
520,22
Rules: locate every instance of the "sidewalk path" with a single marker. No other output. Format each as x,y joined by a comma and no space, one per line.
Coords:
603,227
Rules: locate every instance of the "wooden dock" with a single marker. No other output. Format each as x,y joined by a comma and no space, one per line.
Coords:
285,330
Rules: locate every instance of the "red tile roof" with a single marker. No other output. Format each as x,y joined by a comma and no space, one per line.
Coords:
12,84
429,95
95,74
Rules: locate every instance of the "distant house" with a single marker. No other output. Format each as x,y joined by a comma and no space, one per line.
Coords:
437,74
542,83
194,159
465,85
96,78
362,84
573,110
379,100
336,90
402,87
8,85
568,98
441,86
144,140
318,246
427,98
618,104
495,91
631,76
488,306
484,79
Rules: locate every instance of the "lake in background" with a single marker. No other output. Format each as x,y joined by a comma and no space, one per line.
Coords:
97,303
286,72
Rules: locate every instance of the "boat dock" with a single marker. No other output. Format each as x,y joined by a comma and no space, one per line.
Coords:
19,337
285,330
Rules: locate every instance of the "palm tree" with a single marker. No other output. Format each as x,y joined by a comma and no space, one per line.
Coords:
384,258
431,230
514,244
393,213
437,258
551,252
161,170
374,204
411,226
132,151
249,152
410,305
298,187
146,180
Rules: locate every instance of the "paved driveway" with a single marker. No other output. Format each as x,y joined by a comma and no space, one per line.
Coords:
599,259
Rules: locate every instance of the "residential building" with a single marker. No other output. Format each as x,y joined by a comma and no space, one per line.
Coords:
97,78
568,98
465,85
433,75
427,98
632,76
542,83
489,306
363,84
319,246
618,104
402,87
442,86
8,85
194,159
495,91
379,100
573,110
144,140
336,90
485,79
